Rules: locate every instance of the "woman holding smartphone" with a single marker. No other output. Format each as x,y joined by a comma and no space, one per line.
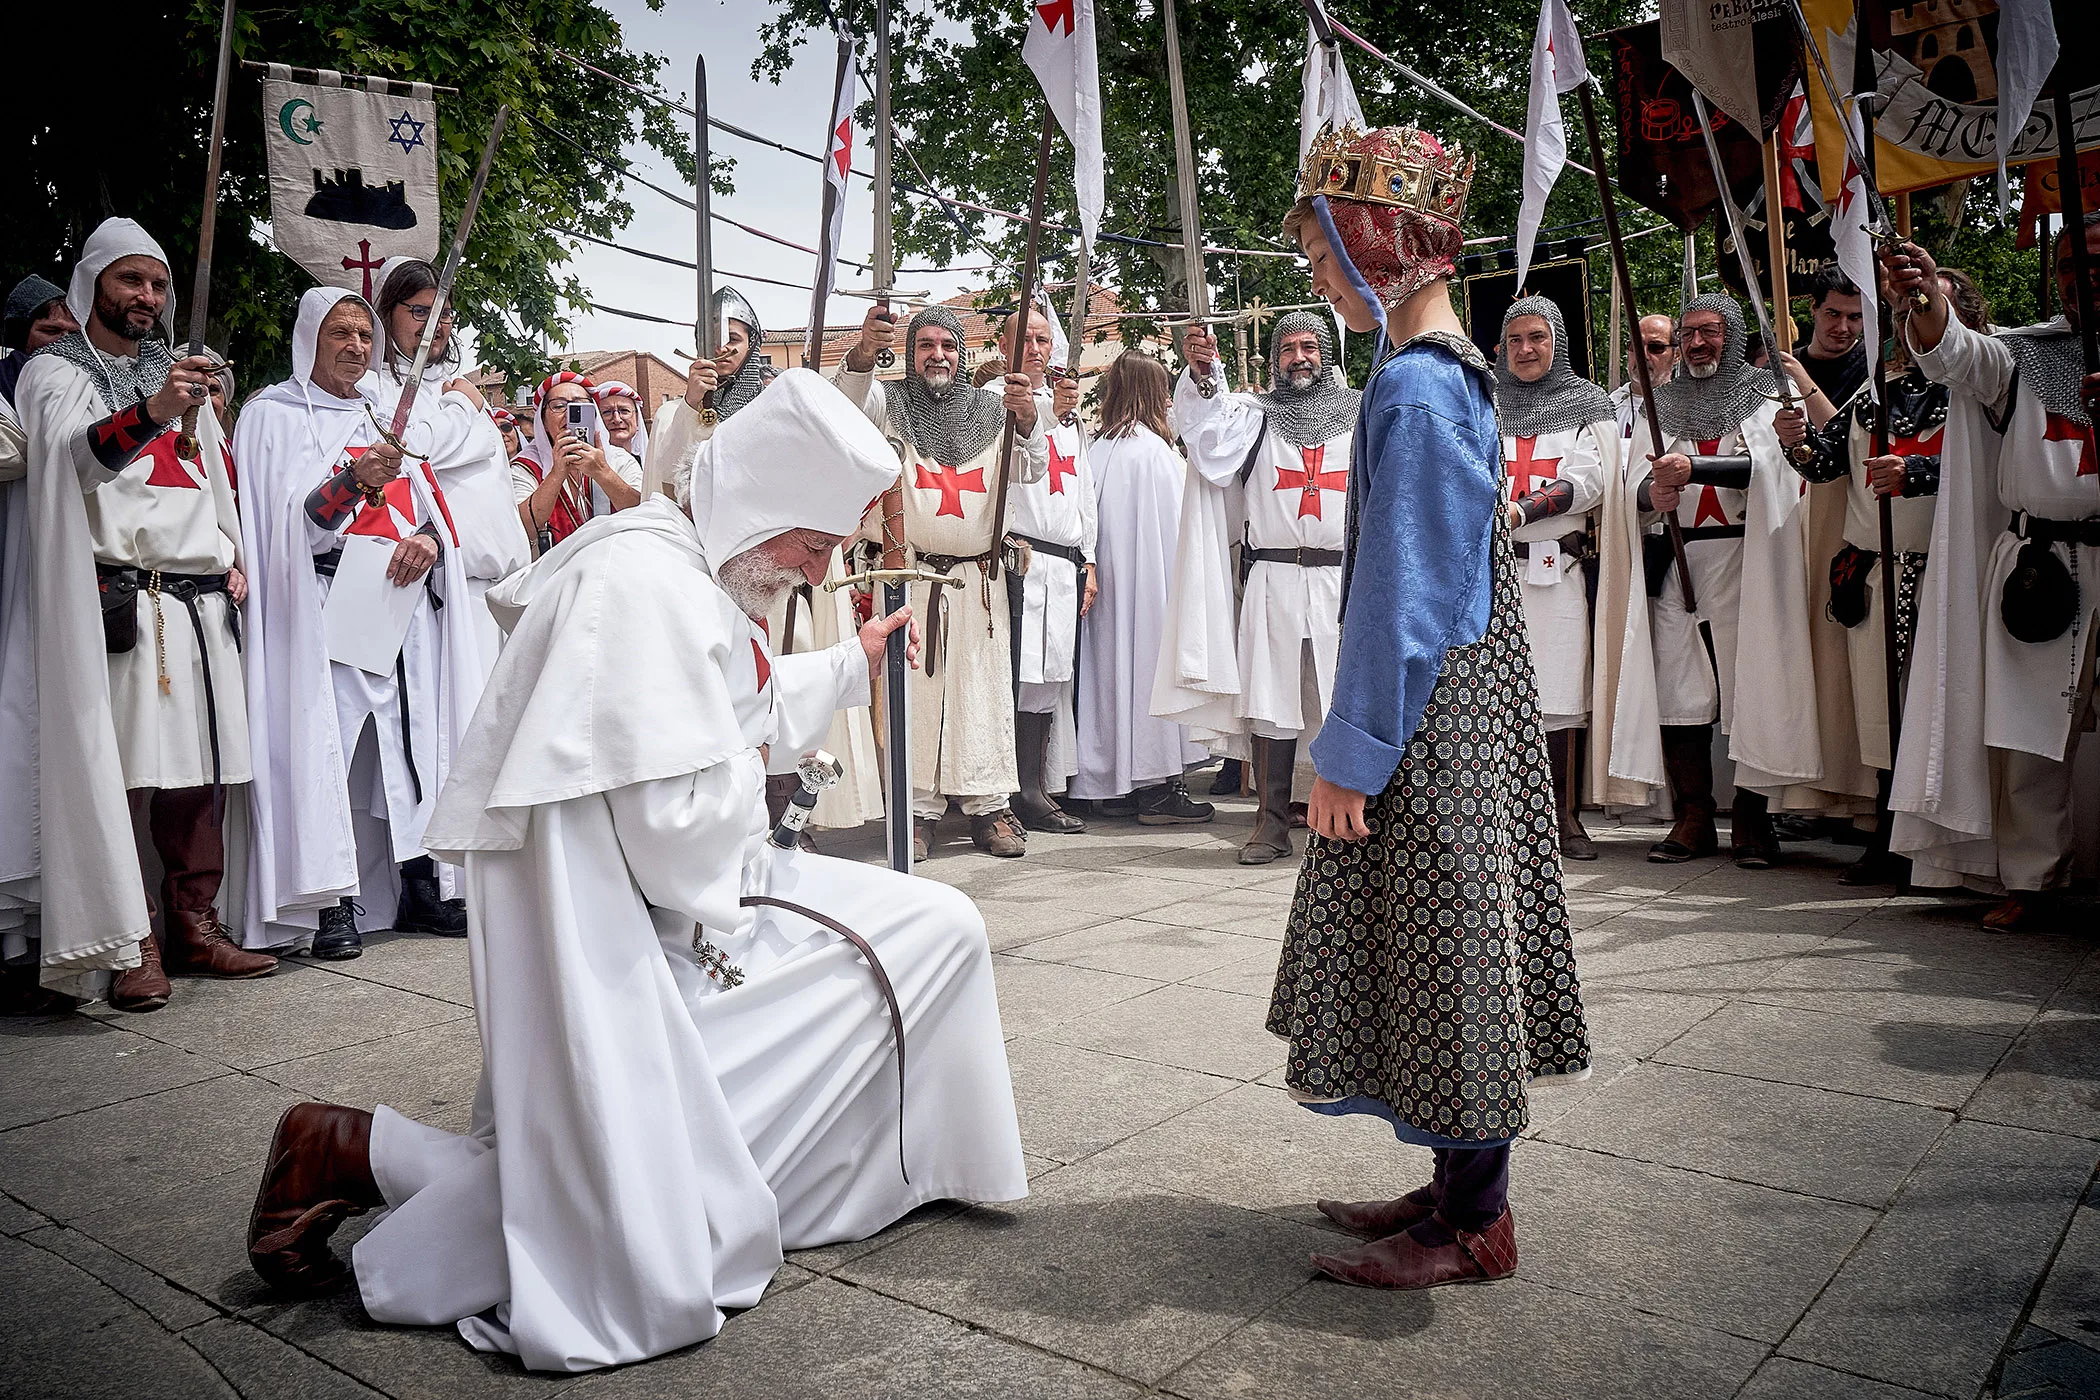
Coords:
569,472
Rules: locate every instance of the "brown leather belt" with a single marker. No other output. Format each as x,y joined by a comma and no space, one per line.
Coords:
882,983
938,603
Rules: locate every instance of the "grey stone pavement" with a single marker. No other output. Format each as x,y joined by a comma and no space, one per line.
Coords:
1836,1144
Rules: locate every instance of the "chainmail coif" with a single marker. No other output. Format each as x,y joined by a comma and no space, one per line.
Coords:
1558,400
951,426
1321,411
1703,409
743,386
120,382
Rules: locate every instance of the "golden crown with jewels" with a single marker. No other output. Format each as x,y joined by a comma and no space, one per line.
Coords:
1397,166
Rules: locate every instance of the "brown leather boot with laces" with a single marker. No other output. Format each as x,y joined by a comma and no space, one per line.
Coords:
200,946
145,987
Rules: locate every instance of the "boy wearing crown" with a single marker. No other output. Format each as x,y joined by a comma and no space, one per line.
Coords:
1427,970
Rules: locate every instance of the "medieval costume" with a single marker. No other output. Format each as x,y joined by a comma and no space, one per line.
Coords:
353,759
1744,528
686,1071
136,659
1427,969
962,739
610,391
2005,637
1560,450
1287,454
675,440
464,448
1839,452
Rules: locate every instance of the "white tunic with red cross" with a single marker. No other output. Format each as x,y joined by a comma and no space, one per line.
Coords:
1556,606
1057,510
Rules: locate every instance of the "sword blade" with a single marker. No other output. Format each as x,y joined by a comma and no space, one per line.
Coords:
706,332
896,671
460,233
1185,175
1735,224
207,226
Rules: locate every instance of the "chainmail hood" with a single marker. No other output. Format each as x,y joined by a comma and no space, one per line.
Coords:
1558,400
743,386
2051,365
1703,409
1321,411
951,426
120,382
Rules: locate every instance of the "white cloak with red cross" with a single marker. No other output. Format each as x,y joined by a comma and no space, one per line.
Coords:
1973,687
1290,497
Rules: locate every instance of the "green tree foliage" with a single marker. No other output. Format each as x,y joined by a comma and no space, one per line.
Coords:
113,118
971,112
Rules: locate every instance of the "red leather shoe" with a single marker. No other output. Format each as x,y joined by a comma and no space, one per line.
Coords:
319,1174
1399,1261
1374,1220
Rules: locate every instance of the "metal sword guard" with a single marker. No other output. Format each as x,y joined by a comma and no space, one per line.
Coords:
869,577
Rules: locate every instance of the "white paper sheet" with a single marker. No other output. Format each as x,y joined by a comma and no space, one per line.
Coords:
367,615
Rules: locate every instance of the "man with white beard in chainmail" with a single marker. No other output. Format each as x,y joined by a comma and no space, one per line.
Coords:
948,435
1560,448
2001,681
1739,506
1284,456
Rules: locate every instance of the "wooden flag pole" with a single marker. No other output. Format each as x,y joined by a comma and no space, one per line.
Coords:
1021,313
1775,251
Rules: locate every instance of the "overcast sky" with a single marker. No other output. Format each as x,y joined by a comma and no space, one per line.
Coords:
776,192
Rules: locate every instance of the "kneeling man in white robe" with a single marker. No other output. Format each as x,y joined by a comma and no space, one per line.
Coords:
678,1083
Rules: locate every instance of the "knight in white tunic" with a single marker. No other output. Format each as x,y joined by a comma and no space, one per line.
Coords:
2003,684
353,759
948,435
135,578
688,1066
450,428
1560,449
1286,456
1054,517
1739,506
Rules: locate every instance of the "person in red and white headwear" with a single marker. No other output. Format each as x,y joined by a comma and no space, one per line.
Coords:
620,408
566,475
507,426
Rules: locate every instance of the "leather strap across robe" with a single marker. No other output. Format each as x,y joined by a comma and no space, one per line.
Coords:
882,983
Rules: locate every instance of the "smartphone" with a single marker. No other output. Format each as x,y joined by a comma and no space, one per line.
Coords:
583,421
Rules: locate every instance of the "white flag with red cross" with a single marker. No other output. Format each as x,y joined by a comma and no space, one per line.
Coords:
1059,50
1557,66
1848,228
838,164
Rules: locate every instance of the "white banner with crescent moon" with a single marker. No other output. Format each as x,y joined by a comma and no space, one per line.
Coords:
353,173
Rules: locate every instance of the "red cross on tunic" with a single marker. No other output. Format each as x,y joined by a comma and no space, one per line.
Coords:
2062,429
170,470
1926,446
1527,468
1312,481
1709,496
951,484
1061,467
394,518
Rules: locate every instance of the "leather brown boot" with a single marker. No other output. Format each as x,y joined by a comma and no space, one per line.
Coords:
1688,758
318,1174
1274,760
1751,840
1575,843
1033,804
999,833
200,946
145,987
1374,1220
1401,1261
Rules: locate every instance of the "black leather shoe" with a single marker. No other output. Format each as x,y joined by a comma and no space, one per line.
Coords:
338,939
420,910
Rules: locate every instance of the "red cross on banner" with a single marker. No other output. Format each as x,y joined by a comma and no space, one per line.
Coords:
1061,466
2062,429
1709,496
1526,468
1312,481
169,470
364,261
1056,14
951,484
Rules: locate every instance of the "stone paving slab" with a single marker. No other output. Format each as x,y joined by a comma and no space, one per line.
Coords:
1833,1144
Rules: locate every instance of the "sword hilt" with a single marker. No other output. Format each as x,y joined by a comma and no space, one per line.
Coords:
874,576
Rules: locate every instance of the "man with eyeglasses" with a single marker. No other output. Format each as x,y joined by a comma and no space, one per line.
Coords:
1656,338
1725,476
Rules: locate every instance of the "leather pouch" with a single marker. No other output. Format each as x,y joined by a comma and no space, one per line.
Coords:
1850,569
2040,598
120,609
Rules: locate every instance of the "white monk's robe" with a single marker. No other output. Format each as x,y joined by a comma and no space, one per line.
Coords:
646,1143
1973,686
962,703
465,450
353,765
1057,511
1556,602
1122,746
103,494
1293,498
18,857
1747,551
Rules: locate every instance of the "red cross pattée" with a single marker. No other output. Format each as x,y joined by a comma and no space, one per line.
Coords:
2062,429
394,518
1528,468
1926,446
168,469
951,484
1312,481
1709,496
1061,467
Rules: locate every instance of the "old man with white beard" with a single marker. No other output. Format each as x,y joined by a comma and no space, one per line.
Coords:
687,1067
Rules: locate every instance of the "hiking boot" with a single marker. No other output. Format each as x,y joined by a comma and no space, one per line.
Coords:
420,909
338,940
